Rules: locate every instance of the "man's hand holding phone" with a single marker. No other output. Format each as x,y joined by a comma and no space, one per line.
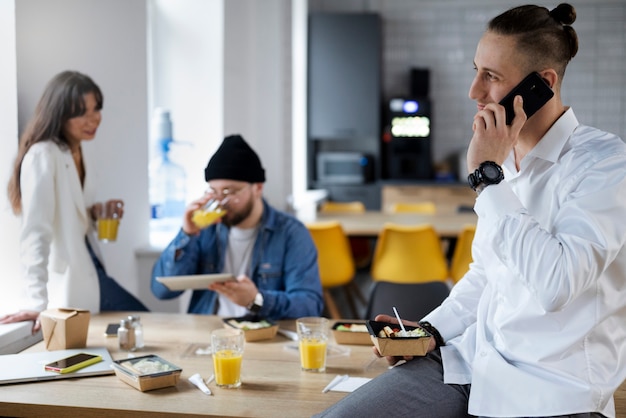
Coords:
493,138
497,126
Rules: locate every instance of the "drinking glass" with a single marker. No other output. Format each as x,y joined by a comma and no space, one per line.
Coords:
313,339
227,345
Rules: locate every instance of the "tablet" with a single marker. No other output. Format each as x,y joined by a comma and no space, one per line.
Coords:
195,281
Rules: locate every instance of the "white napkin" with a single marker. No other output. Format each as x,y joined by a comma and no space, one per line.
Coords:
350,384
345,383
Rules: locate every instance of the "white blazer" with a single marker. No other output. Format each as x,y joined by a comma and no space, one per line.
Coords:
57,268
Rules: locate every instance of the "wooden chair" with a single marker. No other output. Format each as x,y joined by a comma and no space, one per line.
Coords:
409,254
462,254
417,207
412,300
336,265
361,247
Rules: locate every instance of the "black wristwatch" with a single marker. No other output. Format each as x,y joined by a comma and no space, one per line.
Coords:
433,331
487,173
256,304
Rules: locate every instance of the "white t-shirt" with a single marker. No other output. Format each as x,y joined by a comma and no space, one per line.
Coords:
237,262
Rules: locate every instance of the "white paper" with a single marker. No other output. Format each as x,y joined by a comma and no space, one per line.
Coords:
350,384
335,381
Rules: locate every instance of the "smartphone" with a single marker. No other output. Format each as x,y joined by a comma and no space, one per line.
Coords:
535,92
73,363
111,330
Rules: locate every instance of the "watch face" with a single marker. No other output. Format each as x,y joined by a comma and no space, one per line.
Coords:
490,172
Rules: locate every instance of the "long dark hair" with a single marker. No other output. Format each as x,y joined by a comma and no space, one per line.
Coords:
544,36
62,99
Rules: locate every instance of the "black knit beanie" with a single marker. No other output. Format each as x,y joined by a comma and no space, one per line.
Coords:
235,160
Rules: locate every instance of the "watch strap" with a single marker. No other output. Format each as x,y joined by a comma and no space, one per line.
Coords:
433,331
478,178
256,305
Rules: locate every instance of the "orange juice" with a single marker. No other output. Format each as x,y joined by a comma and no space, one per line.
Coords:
204,218
107,229
313,354
227,367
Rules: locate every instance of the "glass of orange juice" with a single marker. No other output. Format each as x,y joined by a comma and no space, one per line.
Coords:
312,339
108,217
227,346
208,214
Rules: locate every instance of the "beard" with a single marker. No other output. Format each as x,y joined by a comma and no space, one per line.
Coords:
234,218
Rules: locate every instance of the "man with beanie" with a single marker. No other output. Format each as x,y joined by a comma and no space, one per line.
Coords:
270,252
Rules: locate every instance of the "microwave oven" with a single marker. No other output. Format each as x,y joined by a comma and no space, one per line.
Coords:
345,168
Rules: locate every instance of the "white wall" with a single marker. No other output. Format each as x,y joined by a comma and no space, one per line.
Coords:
257,86
9,246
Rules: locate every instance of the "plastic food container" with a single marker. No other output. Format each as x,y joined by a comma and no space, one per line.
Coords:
254,328
147,372
398,346
355,333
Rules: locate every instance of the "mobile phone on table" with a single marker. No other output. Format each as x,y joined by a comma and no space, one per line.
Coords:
535,92
111,330
73,363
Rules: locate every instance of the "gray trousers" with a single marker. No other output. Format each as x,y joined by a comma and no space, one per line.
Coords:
415,390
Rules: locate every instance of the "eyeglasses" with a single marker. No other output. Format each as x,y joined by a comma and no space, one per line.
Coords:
227,194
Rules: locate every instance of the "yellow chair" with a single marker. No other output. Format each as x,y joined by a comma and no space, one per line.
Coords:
416,207
462,254
361,247
409,254
336,265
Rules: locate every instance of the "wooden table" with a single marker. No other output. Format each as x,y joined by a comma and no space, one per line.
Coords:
370,223
273,384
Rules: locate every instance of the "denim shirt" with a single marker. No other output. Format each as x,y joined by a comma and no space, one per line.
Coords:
284,266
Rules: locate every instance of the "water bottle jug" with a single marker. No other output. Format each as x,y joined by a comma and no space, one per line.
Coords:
167,185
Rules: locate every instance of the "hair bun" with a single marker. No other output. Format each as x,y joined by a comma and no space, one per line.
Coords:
564,13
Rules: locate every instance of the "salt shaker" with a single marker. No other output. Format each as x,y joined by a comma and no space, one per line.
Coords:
137,328
126,336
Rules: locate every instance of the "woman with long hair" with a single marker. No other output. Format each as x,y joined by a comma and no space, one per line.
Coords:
52,190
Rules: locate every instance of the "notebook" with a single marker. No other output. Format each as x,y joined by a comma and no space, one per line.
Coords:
29,367
18,336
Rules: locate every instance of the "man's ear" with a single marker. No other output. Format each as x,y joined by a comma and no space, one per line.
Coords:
550,77
258,188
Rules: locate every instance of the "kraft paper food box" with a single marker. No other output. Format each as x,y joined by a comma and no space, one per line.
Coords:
147,372
351,332
399,346
265,330
64,328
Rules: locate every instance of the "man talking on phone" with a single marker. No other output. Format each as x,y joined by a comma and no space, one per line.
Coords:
537,326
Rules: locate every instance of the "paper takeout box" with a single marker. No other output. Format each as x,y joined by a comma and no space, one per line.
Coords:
400,346
147,372
64,328
250,335
360,337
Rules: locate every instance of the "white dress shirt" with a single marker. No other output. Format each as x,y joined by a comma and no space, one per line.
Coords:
538,324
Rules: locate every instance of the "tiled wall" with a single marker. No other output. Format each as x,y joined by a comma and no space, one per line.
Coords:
441,35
